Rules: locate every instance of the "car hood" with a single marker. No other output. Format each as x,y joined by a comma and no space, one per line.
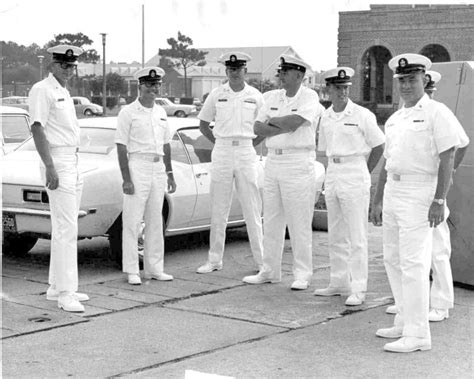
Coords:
23,168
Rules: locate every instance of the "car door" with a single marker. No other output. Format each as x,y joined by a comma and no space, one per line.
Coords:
183,201
199,150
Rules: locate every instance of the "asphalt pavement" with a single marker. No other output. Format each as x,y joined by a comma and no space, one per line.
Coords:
213,325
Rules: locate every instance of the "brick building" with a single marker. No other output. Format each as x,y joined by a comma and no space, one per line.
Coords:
369,39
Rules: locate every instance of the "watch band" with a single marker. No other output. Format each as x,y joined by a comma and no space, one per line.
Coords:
438,201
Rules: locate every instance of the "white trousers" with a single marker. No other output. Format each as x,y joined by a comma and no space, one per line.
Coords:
149,180
288,199
64,204
234,164
407,244
442,292
347,194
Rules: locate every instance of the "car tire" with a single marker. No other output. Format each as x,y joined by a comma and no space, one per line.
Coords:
180,114
18,244
88,112
115,242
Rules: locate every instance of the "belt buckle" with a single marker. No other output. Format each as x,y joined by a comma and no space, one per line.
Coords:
396,177
156,158
337,160
278,151
235,143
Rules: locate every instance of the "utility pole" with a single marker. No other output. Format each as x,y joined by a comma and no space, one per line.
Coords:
143,35
40,57
104,85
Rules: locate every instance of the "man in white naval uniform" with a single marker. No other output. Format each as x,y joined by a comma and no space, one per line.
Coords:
354,144
442,292
287,122
234,107
419,151
56,134
144,154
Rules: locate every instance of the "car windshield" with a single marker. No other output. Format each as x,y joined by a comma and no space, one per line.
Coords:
85,101
14,128
163,101
93,141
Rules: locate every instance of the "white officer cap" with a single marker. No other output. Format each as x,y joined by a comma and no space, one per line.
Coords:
65,53
339,75
407,64
433,77
235,59
149,74
289,62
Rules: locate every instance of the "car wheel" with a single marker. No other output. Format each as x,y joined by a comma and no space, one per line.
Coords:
180,114
88,112
115,242
17,244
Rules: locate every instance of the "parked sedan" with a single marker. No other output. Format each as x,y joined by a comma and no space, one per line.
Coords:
14,127
26,215
178,110
16,101
84,107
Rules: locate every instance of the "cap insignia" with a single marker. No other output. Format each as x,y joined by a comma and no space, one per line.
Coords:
341,74
152,73
402,62
69,53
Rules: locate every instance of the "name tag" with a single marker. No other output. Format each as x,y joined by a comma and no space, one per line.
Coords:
163,119
61,100
418,120
351,124
273,109
294,110
251,101
221,99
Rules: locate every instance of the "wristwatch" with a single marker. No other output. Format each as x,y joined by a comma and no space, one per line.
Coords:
438,201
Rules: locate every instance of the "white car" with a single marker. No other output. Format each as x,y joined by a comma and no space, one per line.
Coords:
14,127
177,110
84,107
26,215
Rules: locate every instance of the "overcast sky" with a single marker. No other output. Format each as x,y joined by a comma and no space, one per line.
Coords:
309,26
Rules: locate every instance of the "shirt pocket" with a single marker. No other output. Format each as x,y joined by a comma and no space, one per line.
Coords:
249,112
223,111
349,129
418,136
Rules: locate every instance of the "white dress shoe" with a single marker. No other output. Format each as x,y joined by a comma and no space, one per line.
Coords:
69,303
300,285
438,314
393,332
161,276
52,294
209,267
332,291
408,344
134,279
356,298
260,278
392,310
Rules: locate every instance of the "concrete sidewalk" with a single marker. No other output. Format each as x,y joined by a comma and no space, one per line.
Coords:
214,323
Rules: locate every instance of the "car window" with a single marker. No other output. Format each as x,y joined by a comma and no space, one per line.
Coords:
178,152
14,128
160,102
93,140
199,147
76,102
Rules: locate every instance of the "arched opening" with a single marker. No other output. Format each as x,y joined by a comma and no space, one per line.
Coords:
376,76
436,53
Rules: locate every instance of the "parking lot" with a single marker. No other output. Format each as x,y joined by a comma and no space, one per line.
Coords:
213,323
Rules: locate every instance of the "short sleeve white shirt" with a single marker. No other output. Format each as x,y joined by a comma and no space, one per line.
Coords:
141,129
51,105
234,112
416,136
351,132
304,104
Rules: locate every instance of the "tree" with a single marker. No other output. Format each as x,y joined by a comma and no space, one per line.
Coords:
79,40
263,86
181,56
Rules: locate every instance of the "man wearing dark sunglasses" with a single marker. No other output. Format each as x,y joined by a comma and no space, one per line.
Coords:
56,134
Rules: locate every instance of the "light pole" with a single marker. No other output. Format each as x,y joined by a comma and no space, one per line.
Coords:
40,57
104,86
